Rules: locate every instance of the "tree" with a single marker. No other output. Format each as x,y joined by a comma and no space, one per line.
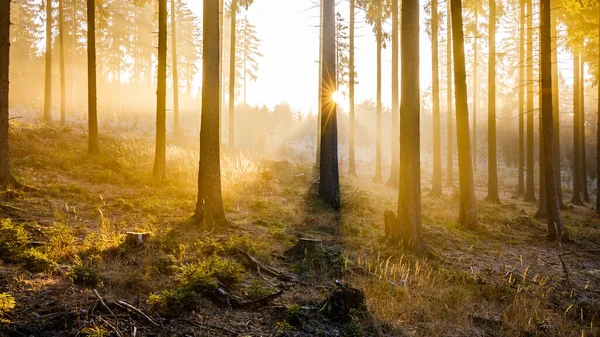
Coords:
61,39
209,205
436,189
522,84
555,226
329,185
161,93
351,156
577,164
174,70
48,71
529,182
598,132
449,83
492,161
584,183
6,177
249,43
468,208
556,106
93,147
394,172
235,5
475,84
409,218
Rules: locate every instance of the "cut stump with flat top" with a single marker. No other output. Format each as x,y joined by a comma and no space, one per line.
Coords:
136,239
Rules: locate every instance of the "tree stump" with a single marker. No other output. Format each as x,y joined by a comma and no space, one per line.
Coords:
136,239
343,301
303,248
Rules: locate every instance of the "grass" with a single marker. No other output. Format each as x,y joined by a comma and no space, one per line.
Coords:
501,276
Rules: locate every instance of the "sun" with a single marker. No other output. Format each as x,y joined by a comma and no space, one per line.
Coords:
338,97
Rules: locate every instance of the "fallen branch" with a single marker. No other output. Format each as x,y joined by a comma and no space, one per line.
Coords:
238,302
139,312
564,266
110,311
266,269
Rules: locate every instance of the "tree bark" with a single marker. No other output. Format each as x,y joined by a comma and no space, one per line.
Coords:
320,98
492,160
449,112
522,83
598,134
61,36
93,147
379,37
176,126
394,172
577,178
161,94
436,189
6,178
232,56
585,196
475,90
555,226
351,145
409,220
556,108
529,182
329,185
48,72
209,205
468,208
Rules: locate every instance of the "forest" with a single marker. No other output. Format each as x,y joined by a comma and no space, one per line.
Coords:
299,168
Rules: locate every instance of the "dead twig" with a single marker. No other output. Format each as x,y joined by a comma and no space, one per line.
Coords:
139,312
564,266
110,311
266,269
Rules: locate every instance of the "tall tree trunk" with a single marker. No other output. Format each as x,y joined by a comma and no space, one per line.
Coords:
73,61
221,66
176,125
93,146
409,226
329,185
436,189
585,196
6,177
378,101
598,134
161,94
555,226
395,173
320,98
475,90
529,182
577,178
468,208
556,107
542,211
522,84
48,82
61,36
449,112
492,160
209,205
351,145
232,56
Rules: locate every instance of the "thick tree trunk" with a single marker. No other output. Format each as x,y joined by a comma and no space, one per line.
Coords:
556,107
395,173
379,37
598,135
176,125
48,71
329,185
61,37
585,196
522,83
436,189
6,177
529,182
492,161
475,90
73,61
93,146
449,112
542,211
232,56
161,94
577,178
555,226
351,144
320,98
209,206
409,197
221,66
468,208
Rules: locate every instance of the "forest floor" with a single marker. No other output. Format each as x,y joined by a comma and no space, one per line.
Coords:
70,272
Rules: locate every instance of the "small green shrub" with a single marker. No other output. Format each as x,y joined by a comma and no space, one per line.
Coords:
166,264
13,240
36,261
96,331
204,274
173,302
257,289
84,276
